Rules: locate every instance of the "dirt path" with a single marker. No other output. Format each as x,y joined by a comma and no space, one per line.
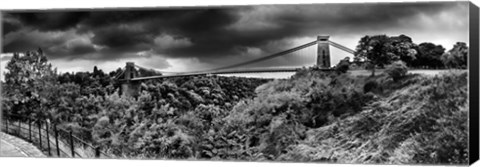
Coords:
11,146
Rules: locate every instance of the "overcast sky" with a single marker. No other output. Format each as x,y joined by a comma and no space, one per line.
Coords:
189,39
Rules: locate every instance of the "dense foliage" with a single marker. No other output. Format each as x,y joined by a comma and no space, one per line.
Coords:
30,85
457,57
377,51
343,65
429,56
424,122
381,50
312,116
397,70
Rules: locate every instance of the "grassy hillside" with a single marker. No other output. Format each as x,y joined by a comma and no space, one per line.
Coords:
420,119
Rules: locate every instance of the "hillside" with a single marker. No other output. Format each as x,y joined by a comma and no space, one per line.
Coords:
312,116
423,120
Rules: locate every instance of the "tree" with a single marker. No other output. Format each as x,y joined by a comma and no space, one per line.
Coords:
65,78
404,48
95,70
97,73
380,50
148,72
30,84
343,65
456,57
429,55
374,49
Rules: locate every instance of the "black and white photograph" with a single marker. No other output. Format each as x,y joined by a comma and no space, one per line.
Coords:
322,83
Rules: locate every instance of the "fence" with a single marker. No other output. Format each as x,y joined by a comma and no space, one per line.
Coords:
53,141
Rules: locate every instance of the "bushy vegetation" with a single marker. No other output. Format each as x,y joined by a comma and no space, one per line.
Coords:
343,65
312,116
397,70
425,122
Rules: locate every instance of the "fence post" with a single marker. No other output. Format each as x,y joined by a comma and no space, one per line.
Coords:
6,125
71,144
19,127
40,133
97,152
30,129
48,139
56,140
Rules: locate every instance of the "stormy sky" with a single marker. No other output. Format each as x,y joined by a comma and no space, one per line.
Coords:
193,38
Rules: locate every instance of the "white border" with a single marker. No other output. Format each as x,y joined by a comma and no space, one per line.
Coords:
87,4
52,4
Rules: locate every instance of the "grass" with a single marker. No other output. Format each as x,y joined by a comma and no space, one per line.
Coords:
423,122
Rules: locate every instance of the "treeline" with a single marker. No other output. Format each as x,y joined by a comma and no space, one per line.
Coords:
98,82
380,50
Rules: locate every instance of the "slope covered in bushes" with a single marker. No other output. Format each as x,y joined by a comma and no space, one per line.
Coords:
313,116
426,121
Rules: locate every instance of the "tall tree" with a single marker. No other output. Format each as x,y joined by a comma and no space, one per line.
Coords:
374,49
380,50
456,57
404,48
95,70
29,84
429,55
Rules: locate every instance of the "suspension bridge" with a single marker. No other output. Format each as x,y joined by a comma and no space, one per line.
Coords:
131,81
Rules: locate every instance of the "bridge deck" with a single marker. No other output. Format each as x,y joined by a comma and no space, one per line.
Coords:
235,71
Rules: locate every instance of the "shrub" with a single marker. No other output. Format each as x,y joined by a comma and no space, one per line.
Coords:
370,86
425,122
343,65
397,70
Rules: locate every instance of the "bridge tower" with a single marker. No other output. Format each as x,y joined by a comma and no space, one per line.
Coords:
323,52
129,87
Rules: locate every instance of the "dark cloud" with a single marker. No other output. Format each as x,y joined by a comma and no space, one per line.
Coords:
82,49
10,26
50,21
70,52
300,21
200,26
211,35
120,38
20,45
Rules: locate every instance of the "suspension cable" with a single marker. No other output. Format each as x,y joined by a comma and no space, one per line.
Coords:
149,69
334,44
341,47
122,71
266,57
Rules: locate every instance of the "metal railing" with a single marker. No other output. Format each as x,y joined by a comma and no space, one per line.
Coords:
49,138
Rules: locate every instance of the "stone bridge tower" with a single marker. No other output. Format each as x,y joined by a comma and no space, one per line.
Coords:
129,87
323,52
